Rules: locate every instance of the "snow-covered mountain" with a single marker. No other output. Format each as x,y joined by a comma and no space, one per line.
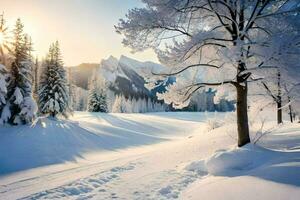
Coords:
125,75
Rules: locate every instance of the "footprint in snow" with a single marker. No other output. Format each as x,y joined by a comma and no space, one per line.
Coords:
84,188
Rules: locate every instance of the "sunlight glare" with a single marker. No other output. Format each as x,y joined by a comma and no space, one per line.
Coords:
1,38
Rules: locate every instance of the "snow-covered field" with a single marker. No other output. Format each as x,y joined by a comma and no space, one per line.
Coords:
148,156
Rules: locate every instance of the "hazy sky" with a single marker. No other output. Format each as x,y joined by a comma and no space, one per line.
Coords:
85,28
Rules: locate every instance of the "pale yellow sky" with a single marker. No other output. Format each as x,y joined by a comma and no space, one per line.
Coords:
85,28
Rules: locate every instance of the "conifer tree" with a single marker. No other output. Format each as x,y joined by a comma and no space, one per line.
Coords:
21,105
97,101
72,91
53,87
4,44
81,105
3,90
3,70
35,78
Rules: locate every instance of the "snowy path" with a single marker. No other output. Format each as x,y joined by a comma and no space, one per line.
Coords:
151,156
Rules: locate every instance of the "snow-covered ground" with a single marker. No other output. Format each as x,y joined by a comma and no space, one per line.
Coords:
148,156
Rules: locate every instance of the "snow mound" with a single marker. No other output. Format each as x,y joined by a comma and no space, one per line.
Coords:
198,166
228,162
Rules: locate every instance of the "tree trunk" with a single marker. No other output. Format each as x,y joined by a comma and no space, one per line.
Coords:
279,99
242,115
290,109
279,112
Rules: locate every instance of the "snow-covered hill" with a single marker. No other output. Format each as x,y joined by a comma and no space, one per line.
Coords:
148,156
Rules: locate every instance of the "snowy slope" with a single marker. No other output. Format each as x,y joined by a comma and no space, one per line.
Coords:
57,141
147,156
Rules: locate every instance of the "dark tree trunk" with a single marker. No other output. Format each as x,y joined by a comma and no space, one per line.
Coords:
279,112
290,109
241,84
242,115
279,99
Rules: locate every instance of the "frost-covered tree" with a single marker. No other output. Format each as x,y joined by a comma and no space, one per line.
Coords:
36,78
119,105
81,98
97,101
135,106
150,105
274,90
72,96
3,70
3,91
283,62
5,42
208,44
53,86
72,91
21,107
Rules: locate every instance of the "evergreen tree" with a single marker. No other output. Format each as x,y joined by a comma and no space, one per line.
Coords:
82,105
3,72
3,91
21,105
36,78
72,96
118,106
72,91
149,105
4,44
53,87
97,101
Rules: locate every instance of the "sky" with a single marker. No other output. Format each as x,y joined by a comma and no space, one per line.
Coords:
84,28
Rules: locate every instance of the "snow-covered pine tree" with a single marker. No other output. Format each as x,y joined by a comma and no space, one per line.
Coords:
3,72
150,105
72,93
135,108
81,105
97,101
53,87
3,91
128,105
35,72
72,96
119,105
116,108
21,107
5,42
